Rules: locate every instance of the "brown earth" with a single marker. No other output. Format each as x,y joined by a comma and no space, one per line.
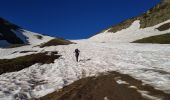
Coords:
19,63
158,39
55,42
164,27
105,87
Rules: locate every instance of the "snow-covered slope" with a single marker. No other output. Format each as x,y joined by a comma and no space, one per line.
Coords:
139,27
27,37
130,34
13,34
146,62
35,38
107,51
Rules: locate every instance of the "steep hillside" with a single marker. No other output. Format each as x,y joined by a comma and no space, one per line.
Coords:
12,35
46,68
154,16
9,33
154,22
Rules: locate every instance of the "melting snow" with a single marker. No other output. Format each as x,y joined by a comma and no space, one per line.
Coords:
121,82
146,62
142,61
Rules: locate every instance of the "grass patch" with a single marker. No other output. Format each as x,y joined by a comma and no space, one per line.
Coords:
160,39
55,42
164,27
19,63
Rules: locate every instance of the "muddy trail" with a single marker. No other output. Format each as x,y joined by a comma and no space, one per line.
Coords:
109,86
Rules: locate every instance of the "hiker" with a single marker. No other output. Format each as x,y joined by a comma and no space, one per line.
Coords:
77,54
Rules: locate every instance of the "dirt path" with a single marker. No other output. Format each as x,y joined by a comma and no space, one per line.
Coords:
110,86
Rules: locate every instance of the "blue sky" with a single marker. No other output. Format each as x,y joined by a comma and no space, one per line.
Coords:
71,19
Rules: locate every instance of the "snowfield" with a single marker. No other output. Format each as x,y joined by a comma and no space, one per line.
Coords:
146,62
101,53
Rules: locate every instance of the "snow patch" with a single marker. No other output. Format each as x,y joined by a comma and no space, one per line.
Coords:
106,98
121,82
133,87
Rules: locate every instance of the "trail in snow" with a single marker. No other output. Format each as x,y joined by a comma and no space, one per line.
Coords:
149,63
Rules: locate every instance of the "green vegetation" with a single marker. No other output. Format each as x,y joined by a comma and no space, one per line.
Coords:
160,39
164,27
16,64
55,42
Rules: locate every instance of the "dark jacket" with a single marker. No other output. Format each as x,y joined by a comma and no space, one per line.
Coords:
77,52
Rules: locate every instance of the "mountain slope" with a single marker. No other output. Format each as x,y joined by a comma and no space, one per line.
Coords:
145,25
137,69
11,34
146,62
152,17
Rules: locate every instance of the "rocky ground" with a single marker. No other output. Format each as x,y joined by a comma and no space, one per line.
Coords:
109,86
